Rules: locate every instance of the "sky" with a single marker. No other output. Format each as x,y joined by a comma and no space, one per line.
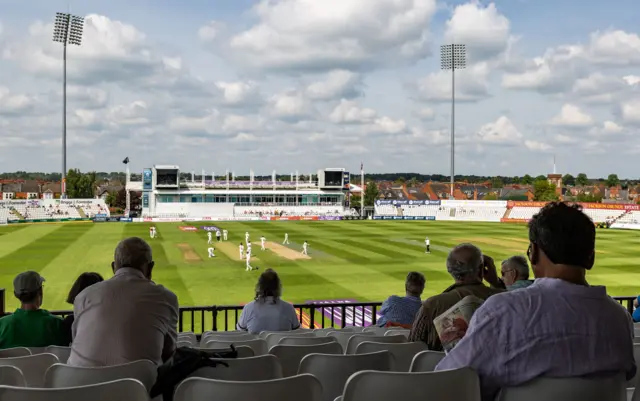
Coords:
301,85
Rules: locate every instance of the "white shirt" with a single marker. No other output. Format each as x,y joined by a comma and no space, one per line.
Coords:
263,239
427,241
209,234
123,319
211,249
260,316
304,245
241,248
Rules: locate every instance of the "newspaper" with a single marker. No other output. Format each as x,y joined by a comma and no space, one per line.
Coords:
452,324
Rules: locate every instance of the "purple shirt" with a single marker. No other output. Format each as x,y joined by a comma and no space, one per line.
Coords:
552,328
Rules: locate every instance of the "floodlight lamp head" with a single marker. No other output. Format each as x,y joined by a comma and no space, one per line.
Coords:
126,160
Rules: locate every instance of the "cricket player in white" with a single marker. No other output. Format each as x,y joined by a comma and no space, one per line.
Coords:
246,237
225,234
241,248
427,243
304,248
218,233
286,239
150,232
262,240
209,235
210,250
248,248
249,268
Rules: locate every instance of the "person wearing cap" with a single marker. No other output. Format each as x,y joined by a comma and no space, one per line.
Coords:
468,267
559,326
30,326
126,318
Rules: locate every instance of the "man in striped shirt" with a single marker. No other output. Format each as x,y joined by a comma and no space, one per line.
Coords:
402,310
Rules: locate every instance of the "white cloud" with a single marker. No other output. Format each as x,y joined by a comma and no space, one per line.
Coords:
611,127
615,48
325,35
337,84
500,132
632,80
572,117
472,85
15,104
87,97
631,111
348,112
536,146
239,93
484,30
425,114
291,105
211,31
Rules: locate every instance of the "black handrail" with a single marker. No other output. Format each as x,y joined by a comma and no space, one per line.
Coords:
198,319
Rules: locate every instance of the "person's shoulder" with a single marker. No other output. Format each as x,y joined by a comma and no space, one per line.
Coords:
393,298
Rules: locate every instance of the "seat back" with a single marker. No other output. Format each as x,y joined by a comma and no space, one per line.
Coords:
402,353
378,331
60,376
227,337
259,346
612,388
356,340
333,371
14,352
343,336
313,340
33,367
257,368
265,334
459,384
62,353
11,376
426,361
296,388
273,339
396,332
125,389
291,355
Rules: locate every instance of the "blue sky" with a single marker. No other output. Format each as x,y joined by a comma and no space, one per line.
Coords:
302,85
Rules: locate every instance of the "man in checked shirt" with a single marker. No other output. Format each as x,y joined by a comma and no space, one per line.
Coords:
401,311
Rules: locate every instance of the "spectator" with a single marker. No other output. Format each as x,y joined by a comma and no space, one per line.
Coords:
267,312
559,326
30,326
85,280
125,318
467,266
515,273
401,311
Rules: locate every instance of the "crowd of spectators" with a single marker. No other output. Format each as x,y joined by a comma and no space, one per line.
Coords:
291,212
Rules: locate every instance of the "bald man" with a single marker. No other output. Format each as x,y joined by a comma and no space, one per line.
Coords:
468,267
126,318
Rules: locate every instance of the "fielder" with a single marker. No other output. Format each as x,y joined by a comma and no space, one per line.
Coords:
427,243
209,236
304,248
246,237
286,239
151,232
225,234
210,250
262,240
248,248
249,268
218,233
241,249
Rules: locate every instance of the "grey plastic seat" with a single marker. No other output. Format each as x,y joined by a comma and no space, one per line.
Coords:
343,336
306,340
611,388
358,339
426,361
402,353
61,376
259,346
273,339
125,389
15,352
33,367
291,355
257,368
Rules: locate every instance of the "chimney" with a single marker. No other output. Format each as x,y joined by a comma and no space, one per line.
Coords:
475,193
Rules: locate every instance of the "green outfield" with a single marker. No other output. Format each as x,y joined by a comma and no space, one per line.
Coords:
361,260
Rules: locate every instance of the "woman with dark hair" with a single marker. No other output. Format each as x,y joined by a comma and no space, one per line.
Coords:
267,312
83,281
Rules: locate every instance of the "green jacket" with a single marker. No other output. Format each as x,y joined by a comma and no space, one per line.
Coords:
34,328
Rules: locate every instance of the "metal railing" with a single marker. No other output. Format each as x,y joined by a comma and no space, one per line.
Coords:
198,319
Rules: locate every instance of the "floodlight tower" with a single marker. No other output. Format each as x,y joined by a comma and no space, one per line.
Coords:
453,57
68,31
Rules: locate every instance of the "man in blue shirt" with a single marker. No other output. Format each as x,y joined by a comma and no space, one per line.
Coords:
402,311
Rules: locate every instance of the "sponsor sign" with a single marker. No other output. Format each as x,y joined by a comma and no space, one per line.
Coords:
398,217
586,205
100,219
126,220
147,179
187,228
354,315
626,226
387,217
346,180
377,217
333,218
147,219
503,220
145,200
101,215
113,219
209,228
473,203
407,202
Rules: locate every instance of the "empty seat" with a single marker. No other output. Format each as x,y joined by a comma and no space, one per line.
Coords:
426,361
273,339
62,353
402,353
458,384
258,368
14,352
333,371
11,376
60,375
242,350
226,337
125,390
403,332
378,331
291,355
568,389
188,336
33,367
343,336
259,346
306,340
356,340
265,334
296,388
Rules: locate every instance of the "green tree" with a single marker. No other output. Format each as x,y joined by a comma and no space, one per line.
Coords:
80,185
613,180
371,193
541,178
582,179
401,180
583,197
111,199
491,196
544,191
516,180
568,179
527,179
497,182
